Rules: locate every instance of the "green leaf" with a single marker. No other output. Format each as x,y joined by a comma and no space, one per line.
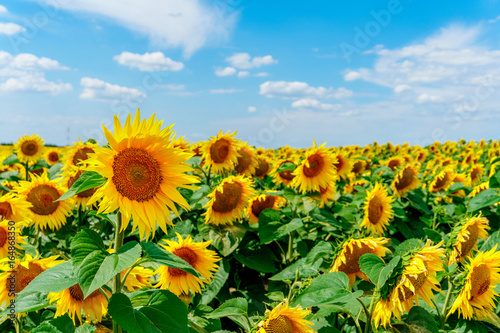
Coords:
85,328
232,307
495,180
298,268
54,279
375,268
88,180
220,278
225,239
84,243
418,203
55,170
491,241
46,327
12,159
165,312
157,254
455,187
433,235
28,302
287,166
421,321
483,199
259,259
319,250
271,228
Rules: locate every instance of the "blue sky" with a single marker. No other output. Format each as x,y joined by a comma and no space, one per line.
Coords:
344,72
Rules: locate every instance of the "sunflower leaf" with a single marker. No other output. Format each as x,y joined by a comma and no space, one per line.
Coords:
88,180
375,268
484,199
287,166
85,242
54,279
12,159
28,302
156,254
271,228
220,278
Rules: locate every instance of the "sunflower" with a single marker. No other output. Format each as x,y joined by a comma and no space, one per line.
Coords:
138,278
479,188
143,172
283,319
395,162
466,235
343,165
263,166
283,177
261,202
14,208
197,255
358,167
247,163
475,173
77,154
220,153
42,193
378,210
18,274
71,301
405,180
442,181
327,194
228,201
417,280
10,234
82,198
477,294
347,260
316,170
52,156
349,188
29,148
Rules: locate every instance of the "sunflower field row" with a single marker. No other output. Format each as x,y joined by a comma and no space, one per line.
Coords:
150,233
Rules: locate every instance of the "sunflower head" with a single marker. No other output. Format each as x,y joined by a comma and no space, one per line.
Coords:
14,208
220,153
29,148
442,181
283,319
263,166
343,165
77,155
465,235
261,202
284,177
405,180
52,156
247,163
378,210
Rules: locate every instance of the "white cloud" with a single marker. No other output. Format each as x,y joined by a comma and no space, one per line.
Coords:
310,103
245,61
227,71
96,89
155,61
242,74
426,98
174,86
262,74
26,73
252,109
10,28
351,76
3,10
296,89
225,91
188,24
401,87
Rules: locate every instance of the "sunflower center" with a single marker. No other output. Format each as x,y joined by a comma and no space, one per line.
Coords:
186,254
375,210
480,279
24,276
243,161
3,237
219,150
53,156
358,167
404,293
136,174
281,324
351,264
474,175
287,174
441,182
393,164
77,293
228,199
262,168
419,281
405,179
259,205
29,148
85,194
468,244
82,155
43,198
340,164
5,210
316,164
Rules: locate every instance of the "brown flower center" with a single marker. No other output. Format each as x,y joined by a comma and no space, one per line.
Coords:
229,198
262,168
316,164
188,255
244,161
393,164
136,174
219,150
474,175
77,293
3,237
480,279
85,194
5,210
29,148
405,179
375,209
358,167
351,265
24,276
82,155
469,243
340,163
259,205
43,198
53,157
287,175
281,324
441,182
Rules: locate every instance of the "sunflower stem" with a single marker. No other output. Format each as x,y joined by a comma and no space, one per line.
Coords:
444,315
290,247
18,325
27,172
208,175
117,288
137,263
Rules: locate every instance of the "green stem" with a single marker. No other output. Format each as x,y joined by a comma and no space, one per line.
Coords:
368,312
26,165
208,175
290,247
444,315
17,325
283,253
117,287
137,263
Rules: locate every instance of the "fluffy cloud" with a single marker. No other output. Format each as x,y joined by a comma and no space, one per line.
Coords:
26,73
151,62
10,28
245,61
3,10
227,71
225,91
252,109
296,89
310,103
95,89
351,76
243,74
188,24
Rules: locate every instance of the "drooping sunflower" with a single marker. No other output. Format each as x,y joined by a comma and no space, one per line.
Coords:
283,319
347,260
42,193
316,170
143,172
51,156
71,301
229,200
479,188
283,177
29,148
442,181
405,180
378,210
247,162
261,202
220,152
77,154
465,236
417,279
14,208
18,275
197,255
477,294
327,194
10,235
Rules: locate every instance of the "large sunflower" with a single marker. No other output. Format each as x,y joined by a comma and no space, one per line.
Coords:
466,235
247,161
197,255
10,235
29,148
14,208
378,210
283,319
220,153
477,295
42,193
347,259
229,201
405,180
316,170
261,202
71,301
144,171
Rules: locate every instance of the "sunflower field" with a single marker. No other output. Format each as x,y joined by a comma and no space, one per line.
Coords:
150,233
